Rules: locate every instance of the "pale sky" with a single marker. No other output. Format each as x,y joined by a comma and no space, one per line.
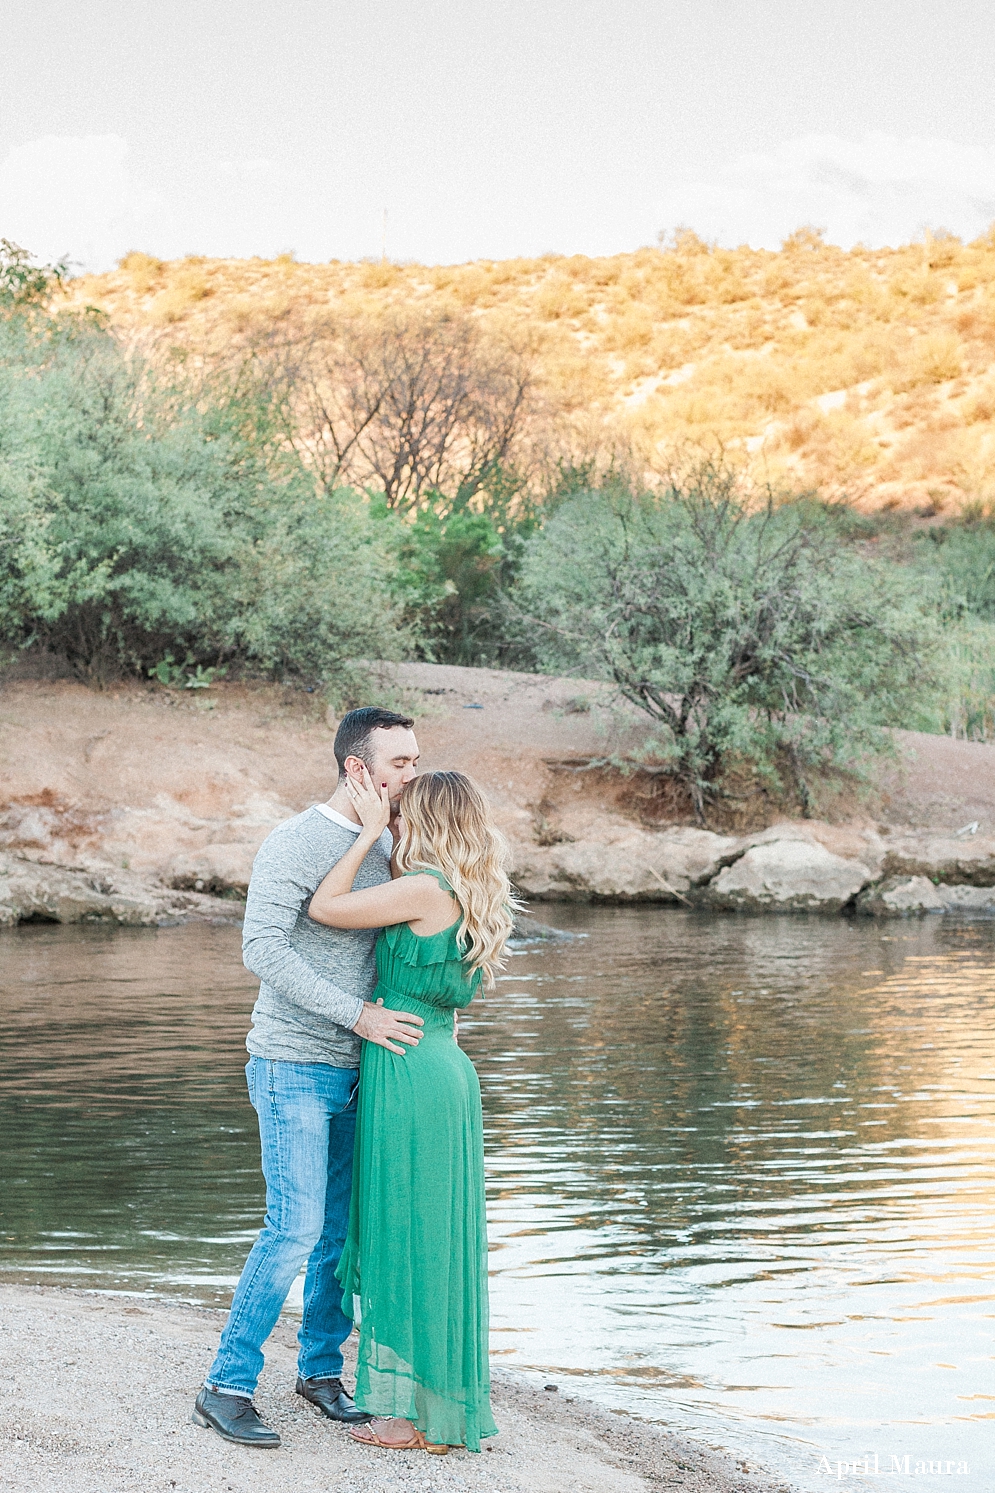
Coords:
489,129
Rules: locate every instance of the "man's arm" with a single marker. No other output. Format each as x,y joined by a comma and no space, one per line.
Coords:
276,894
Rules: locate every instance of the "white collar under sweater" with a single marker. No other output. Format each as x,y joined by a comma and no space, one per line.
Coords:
337,818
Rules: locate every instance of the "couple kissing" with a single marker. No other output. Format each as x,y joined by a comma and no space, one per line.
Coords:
371,920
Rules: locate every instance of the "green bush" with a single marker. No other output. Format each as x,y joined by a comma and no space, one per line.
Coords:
961,557
964,705
448,573
25,286
748,635
137,522
956,564
454,562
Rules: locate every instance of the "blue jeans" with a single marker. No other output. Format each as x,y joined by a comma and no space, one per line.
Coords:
307,1125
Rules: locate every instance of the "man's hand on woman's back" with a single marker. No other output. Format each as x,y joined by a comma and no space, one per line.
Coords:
377,1023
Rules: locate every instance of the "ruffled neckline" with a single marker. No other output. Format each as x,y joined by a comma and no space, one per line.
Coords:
430,948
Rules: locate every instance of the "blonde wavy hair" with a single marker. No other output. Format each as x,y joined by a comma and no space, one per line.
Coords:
447,827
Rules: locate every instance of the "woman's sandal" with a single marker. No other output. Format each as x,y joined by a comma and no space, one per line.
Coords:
372,1438
437,1448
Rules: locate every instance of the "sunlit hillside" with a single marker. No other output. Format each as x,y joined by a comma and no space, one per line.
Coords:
869,373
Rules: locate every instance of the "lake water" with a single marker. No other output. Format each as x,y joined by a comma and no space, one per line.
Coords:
740,1169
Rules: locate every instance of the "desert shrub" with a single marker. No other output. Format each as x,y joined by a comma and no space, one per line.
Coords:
557,297
135,523
917,286
448,576
451,566
24,284
752,330
931,360
942,248
747,634
184,290
964,703
632,329
839,447
406,404
806,239
980,408
961,557
766,386
143,270
471,285
606,271
379,275
956,563
729,282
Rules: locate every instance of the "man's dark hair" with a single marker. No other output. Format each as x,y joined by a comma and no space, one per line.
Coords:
352,739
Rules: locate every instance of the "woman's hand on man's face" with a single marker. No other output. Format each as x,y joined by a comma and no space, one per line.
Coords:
371,802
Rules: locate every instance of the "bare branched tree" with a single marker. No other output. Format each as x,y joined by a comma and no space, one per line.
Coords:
410,402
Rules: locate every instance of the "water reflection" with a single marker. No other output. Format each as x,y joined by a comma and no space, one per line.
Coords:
744,1167
739,1169
131,1157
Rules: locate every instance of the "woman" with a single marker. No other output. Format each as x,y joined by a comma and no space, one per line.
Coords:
416,1253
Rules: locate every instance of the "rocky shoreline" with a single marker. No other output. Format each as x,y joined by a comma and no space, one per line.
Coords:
146,807
790,867
787,869
33,892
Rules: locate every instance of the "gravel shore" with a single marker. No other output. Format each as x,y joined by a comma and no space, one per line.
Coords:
98,1391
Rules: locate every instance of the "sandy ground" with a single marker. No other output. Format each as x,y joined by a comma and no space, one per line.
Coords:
97,1393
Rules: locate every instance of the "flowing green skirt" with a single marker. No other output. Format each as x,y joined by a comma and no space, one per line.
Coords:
414,1266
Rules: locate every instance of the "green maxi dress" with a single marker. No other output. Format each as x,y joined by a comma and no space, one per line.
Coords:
415,1259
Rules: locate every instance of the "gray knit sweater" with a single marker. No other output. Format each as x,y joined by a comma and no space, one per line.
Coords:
314,979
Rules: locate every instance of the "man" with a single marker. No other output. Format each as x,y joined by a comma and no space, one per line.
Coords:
314,1007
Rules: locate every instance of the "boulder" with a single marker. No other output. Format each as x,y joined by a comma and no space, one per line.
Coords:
967,860
911,896
640,867
787,876
849,841
901,897
215,869
690,857
34,892
968,898
163,842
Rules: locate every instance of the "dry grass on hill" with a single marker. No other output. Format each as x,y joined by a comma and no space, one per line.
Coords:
869,373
